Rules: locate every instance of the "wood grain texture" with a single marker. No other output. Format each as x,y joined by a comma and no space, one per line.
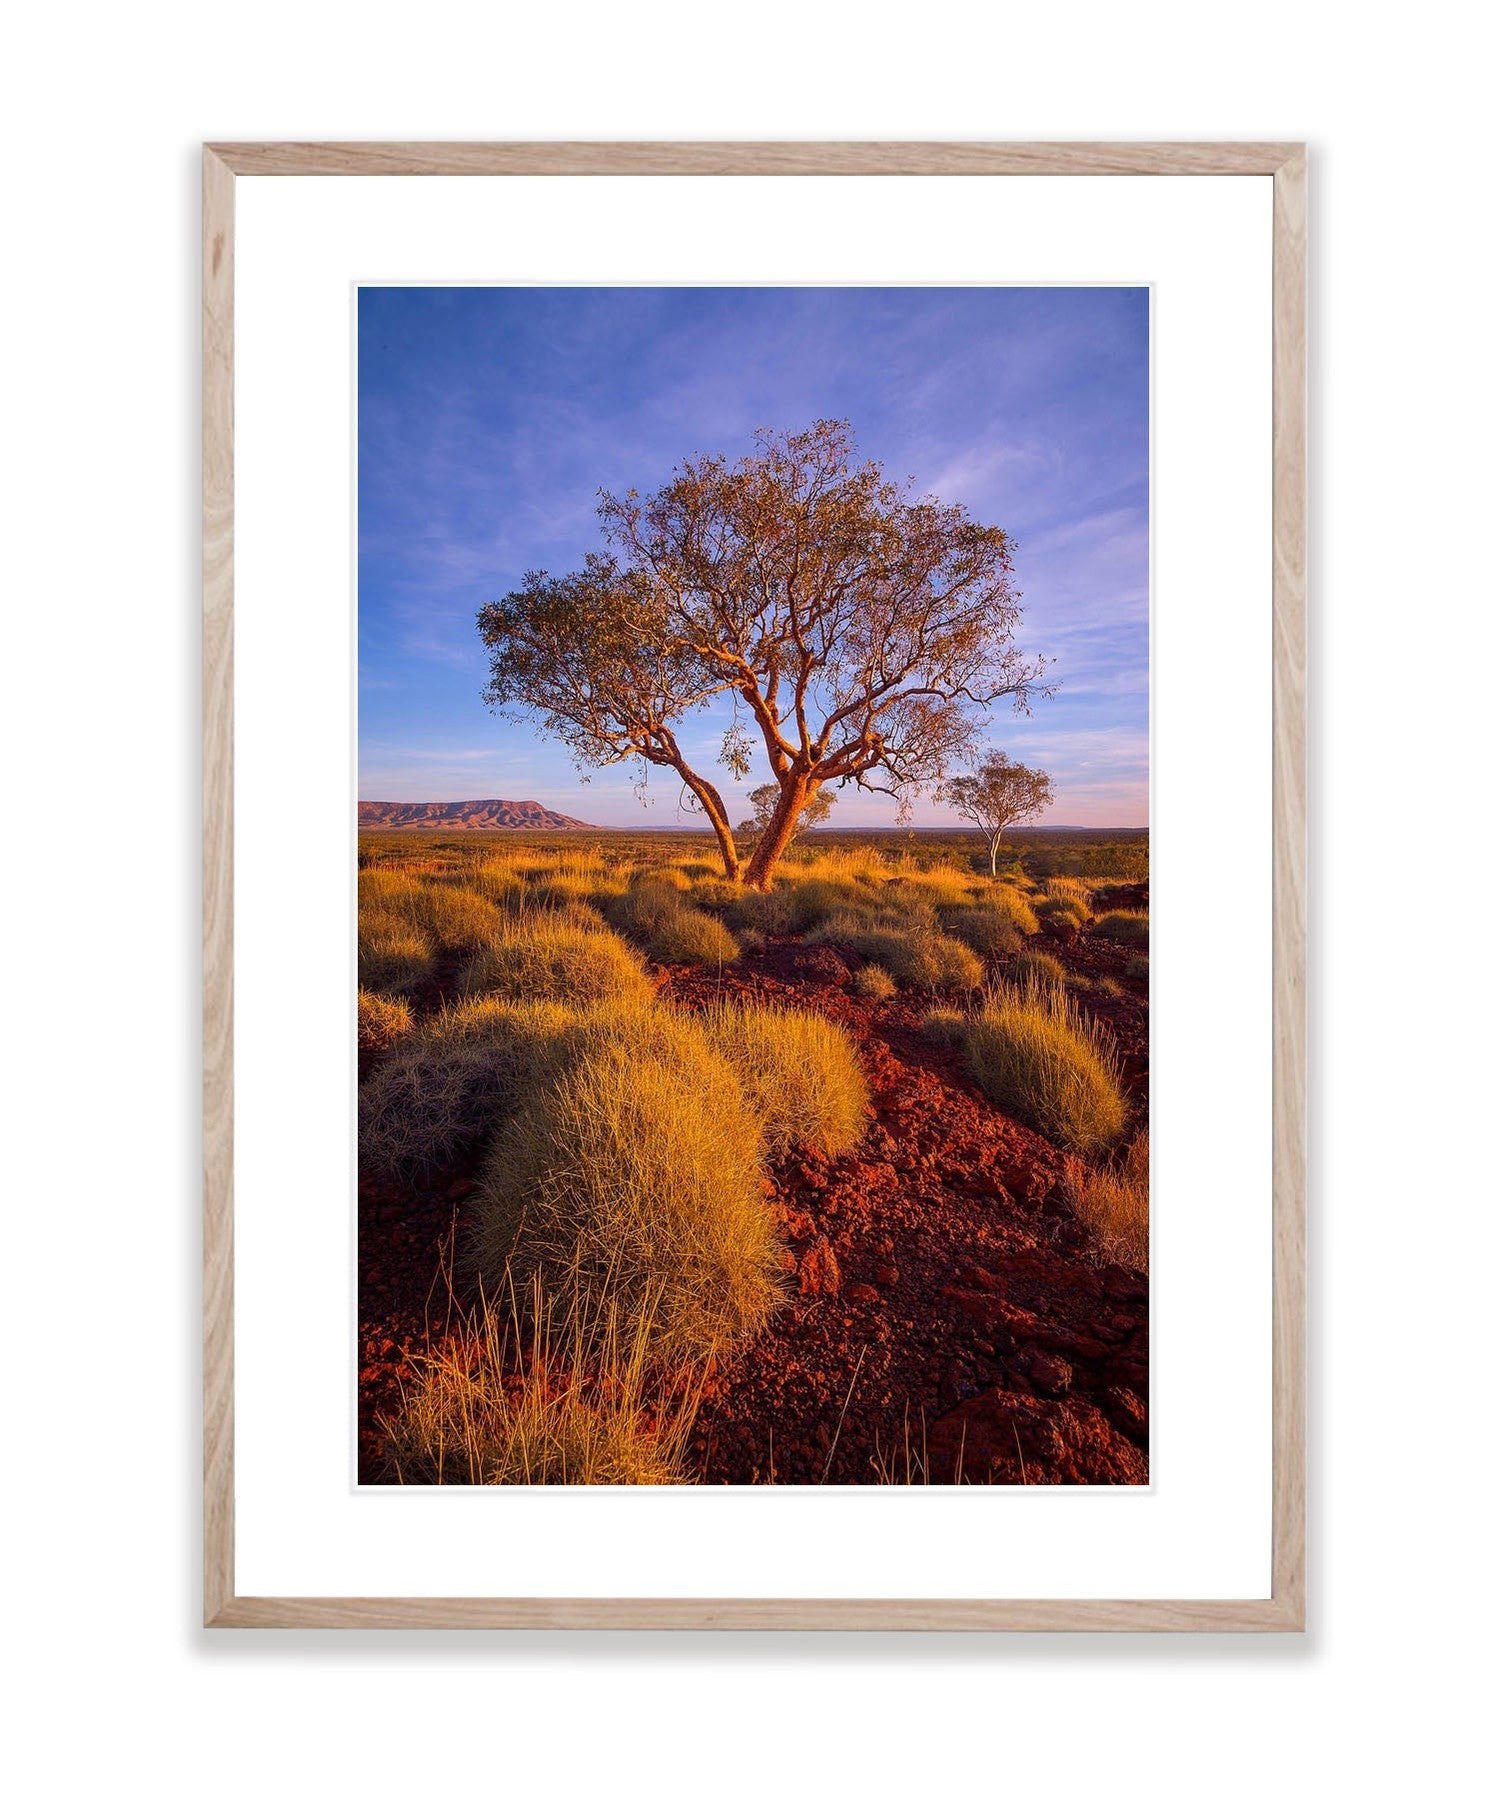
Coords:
1288,813
218,886
1113,1615
1285,1609
753,159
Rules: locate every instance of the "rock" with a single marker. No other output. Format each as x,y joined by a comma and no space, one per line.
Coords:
1016,1439
818,1271
863,1294
822,965
1124,1283
886,1275
1026,1180
1126,1412
1047,1373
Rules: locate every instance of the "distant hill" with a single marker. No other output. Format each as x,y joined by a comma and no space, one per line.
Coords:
464,815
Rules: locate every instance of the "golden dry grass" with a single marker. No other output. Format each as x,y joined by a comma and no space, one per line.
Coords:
1035,965
943,1025
1012,906
691,938
768,913
447,915
538,955
1132,928
1038,1058
1069,889
1061,911
800,1075
382,1022
654,913
448,1086
915,955
987,930
632,1182
392,957
513,1398
1114,1203
817,899
872,982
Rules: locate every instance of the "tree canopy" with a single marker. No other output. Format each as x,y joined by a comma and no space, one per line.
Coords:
997,794
859,631
764,800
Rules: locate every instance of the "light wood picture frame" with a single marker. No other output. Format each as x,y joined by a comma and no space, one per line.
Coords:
1285,163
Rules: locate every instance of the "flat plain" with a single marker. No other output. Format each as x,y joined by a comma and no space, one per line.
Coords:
666,1180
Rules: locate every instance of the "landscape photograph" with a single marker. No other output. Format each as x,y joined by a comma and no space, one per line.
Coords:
753,870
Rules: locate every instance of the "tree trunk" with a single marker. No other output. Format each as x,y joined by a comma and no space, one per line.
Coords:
796,790
708,798
994,856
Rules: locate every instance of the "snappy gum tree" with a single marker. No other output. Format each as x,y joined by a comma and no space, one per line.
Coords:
764,801
860,632
998,793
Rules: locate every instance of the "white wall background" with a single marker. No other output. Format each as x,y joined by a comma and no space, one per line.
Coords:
104,108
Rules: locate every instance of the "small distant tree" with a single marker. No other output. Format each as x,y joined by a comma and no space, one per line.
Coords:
997,794
766,798
861,631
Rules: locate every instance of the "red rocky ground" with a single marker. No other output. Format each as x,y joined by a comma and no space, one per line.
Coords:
950,1317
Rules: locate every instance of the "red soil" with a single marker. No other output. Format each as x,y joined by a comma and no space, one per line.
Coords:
949,1317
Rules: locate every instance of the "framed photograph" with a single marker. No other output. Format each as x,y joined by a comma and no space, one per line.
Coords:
754,808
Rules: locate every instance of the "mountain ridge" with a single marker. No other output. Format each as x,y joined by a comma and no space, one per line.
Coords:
464,815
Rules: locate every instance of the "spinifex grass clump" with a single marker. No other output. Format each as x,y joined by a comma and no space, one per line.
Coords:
382,1022
1070,890
1038,1058
540,955
1132,928
1057,911
444,1091
914,955
987,930
693,938
447,915
1114,1203
944,1026
935,887
768,913
632,1182
872,982
521,1397
392,957
1012,906
1036,966
654,913
800,1075
814,901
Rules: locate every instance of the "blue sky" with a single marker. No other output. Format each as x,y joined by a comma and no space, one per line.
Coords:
490,417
